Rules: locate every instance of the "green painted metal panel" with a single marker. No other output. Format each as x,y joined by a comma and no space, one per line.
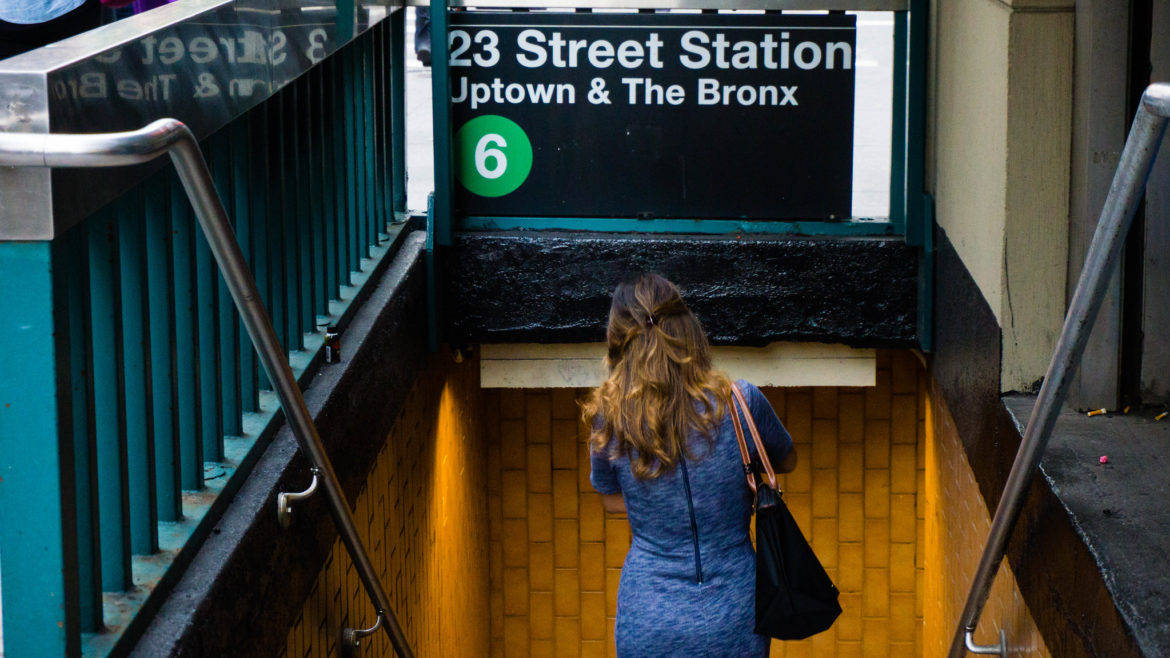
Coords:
219,155
386,125
137,401
898,124
38,564
378,125
382,126
916,123
697,226
277,213
374,136
259,190
109,415
294,219
340,162
187,388
369,131
290,220
345,19
353,211
241,209
357,128
208,360
298,129
369,219
332,199
303,135
89,586
397,72
317,186
163,350
441,119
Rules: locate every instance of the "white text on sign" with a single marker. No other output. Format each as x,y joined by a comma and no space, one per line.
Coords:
697,50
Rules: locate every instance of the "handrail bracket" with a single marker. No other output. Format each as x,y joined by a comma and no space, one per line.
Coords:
285,500
351,638
1000,649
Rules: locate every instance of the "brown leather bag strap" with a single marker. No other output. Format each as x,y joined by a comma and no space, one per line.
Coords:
743,451
751,423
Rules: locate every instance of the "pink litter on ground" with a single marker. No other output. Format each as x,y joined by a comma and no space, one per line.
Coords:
1104,459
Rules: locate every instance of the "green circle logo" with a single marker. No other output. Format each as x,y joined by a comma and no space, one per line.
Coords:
493,156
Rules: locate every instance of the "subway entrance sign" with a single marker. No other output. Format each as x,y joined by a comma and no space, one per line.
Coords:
693,116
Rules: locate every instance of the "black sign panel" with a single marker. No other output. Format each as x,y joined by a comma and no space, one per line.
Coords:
653,115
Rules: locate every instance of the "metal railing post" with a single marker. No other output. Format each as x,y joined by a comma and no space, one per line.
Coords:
1104,252
172,136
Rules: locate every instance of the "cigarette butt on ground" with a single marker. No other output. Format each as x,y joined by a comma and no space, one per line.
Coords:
1125,410
1097,412
1161,415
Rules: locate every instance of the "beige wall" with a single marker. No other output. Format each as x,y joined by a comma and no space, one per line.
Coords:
1001,129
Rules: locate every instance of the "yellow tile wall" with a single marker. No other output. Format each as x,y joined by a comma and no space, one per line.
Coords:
555,556
957,524
421,516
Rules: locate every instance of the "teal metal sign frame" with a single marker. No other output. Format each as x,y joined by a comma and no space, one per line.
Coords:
906,215
910,211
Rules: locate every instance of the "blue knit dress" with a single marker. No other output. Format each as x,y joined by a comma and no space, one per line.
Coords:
688,584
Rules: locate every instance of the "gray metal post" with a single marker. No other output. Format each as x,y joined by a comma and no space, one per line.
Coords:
1103,255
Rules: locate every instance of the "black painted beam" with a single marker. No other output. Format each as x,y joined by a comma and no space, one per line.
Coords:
747,290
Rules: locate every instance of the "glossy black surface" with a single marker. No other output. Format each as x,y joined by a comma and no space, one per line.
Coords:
556,287
755,137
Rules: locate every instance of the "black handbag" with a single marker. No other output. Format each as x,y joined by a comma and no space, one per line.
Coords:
795,598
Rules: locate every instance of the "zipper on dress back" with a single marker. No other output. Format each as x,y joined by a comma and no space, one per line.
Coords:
694,524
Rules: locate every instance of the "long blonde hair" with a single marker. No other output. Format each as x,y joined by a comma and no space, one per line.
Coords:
661,385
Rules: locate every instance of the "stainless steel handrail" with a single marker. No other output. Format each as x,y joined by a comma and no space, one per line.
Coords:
1149,125
173,137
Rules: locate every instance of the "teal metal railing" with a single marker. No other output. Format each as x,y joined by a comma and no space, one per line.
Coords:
131,400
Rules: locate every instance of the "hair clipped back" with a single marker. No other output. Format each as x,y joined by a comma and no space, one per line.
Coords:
661,386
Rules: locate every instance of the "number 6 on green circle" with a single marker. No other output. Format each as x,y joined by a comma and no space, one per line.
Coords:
493,156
